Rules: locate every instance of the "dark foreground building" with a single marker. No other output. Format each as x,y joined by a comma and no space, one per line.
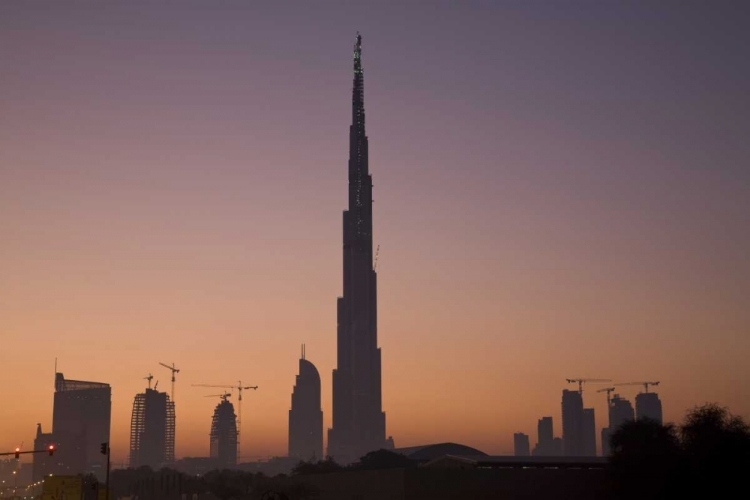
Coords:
306,416
358,417
152,427
80,424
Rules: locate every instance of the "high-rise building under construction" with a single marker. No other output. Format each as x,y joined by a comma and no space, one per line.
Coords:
152,428
648,405
224,434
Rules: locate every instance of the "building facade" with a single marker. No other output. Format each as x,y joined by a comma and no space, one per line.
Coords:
152,428
521,444
306,415
358,417
43,464
589,433
572,423
223,443
545,444
648,405
81,419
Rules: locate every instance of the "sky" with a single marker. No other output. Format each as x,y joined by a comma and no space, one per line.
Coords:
561,190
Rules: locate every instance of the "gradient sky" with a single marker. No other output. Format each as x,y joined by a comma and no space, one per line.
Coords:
562,190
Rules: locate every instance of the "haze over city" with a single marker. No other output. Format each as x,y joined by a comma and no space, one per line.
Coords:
559,192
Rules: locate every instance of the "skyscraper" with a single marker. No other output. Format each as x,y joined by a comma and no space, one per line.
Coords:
152,428
589,433
620,411
306,415
224,434
545,446
358,418
80,424
648,405
572,423
520,444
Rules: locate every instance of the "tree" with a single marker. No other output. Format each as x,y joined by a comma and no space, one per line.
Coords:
708,453
646,459
228,484
384,459
320,467
717,448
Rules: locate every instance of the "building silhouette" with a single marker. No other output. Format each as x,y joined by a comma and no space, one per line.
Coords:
224,434
358,417
43,464
620,411
589,433
572,423
152,427
80,424
648,405
546,445
306,415
521,444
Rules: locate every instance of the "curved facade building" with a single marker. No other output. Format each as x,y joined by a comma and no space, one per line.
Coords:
306,415
224,434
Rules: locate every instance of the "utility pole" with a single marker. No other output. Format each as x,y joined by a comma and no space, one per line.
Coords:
105,450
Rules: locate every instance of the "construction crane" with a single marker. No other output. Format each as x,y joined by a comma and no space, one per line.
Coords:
644,384
174,372
222,396
608,390
581,381
239,388
149,378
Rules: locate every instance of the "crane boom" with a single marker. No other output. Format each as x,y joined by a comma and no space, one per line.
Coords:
174,370
644,384
581,381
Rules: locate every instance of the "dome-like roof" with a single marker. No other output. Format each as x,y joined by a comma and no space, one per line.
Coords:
433,451
308,371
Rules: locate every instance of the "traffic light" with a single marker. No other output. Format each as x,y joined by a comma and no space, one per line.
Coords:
104,448
51,449
18,453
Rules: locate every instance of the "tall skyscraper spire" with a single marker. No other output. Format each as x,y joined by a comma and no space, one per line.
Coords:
358,419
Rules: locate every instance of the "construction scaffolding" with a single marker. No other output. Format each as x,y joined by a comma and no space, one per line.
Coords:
152,430
224,434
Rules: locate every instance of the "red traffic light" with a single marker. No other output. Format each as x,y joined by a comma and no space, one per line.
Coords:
51,449
18,452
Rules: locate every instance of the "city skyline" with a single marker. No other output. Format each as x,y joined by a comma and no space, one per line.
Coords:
548,203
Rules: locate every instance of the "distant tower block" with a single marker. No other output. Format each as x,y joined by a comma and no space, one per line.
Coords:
306,415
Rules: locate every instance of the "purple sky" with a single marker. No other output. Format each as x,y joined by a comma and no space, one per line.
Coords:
562,189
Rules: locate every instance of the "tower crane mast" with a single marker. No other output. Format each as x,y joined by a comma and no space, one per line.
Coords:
608,390
175,371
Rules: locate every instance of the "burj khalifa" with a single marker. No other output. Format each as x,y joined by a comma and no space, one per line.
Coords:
358,417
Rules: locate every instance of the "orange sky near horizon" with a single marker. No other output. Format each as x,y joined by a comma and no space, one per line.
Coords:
171,189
